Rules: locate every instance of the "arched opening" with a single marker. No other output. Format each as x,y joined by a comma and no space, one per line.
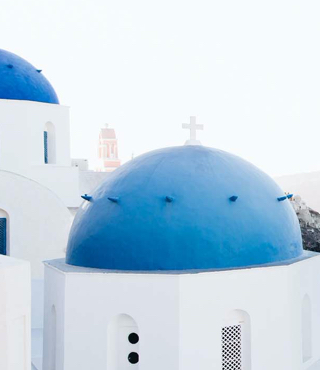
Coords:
49,143
53,339
236,341
306,327
123,343
4,233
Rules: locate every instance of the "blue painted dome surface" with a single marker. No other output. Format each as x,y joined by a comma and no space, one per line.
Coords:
19,80
201,228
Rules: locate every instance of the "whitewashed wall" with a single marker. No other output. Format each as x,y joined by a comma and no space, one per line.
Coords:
39,222
180,317
21,133
87,303
272,297
22,124
15,297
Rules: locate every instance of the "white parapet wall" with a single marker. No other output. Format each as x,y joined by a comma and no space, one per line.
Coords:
15,302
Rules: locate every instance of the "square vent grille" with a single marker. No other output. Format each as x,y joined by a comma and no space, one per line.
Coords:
231,348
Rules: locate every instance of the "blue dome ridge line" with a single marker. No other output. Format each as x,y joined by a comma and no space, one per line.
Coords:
200,231
20,80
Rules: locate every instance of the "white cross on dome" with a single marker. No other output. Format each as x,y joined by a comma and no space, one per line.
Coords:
193,127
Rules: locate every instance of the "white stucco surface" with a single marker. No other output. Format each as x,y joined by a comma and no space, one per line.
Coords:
22,126
180,317
15,313
38,224
89,180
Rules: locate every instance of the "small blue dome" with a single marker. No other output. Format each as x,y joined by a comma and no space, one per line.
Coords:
19,80
184,208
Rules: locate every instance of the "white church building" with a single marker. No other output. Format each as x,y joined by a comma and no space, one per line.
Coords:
184,258
40,186
37,182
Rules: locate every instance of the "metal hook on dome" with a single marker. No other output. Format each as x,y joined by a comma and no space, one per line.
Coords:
86,197
169,199
39,70
114,199
233,198
281,199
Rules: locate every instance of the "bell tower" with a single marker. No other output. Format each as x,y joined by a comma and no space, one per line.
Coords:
108,150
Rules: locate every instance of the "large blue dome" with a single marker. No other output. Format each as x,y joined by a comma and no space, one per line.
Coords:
19,80
170,209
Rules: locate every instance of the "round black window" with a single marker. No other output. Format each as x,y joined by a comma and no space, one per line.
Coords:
133,338
133,358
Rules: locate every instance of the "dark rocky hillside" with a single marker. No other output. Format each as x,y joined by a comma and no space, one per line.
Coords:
311,238
309,220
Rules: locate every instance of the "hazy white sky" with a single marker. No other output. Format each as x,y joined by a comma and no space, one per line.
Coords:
249,70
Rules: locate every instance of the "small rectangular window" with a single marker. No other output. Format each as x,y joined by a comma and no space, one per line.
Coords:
45,143
3,236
